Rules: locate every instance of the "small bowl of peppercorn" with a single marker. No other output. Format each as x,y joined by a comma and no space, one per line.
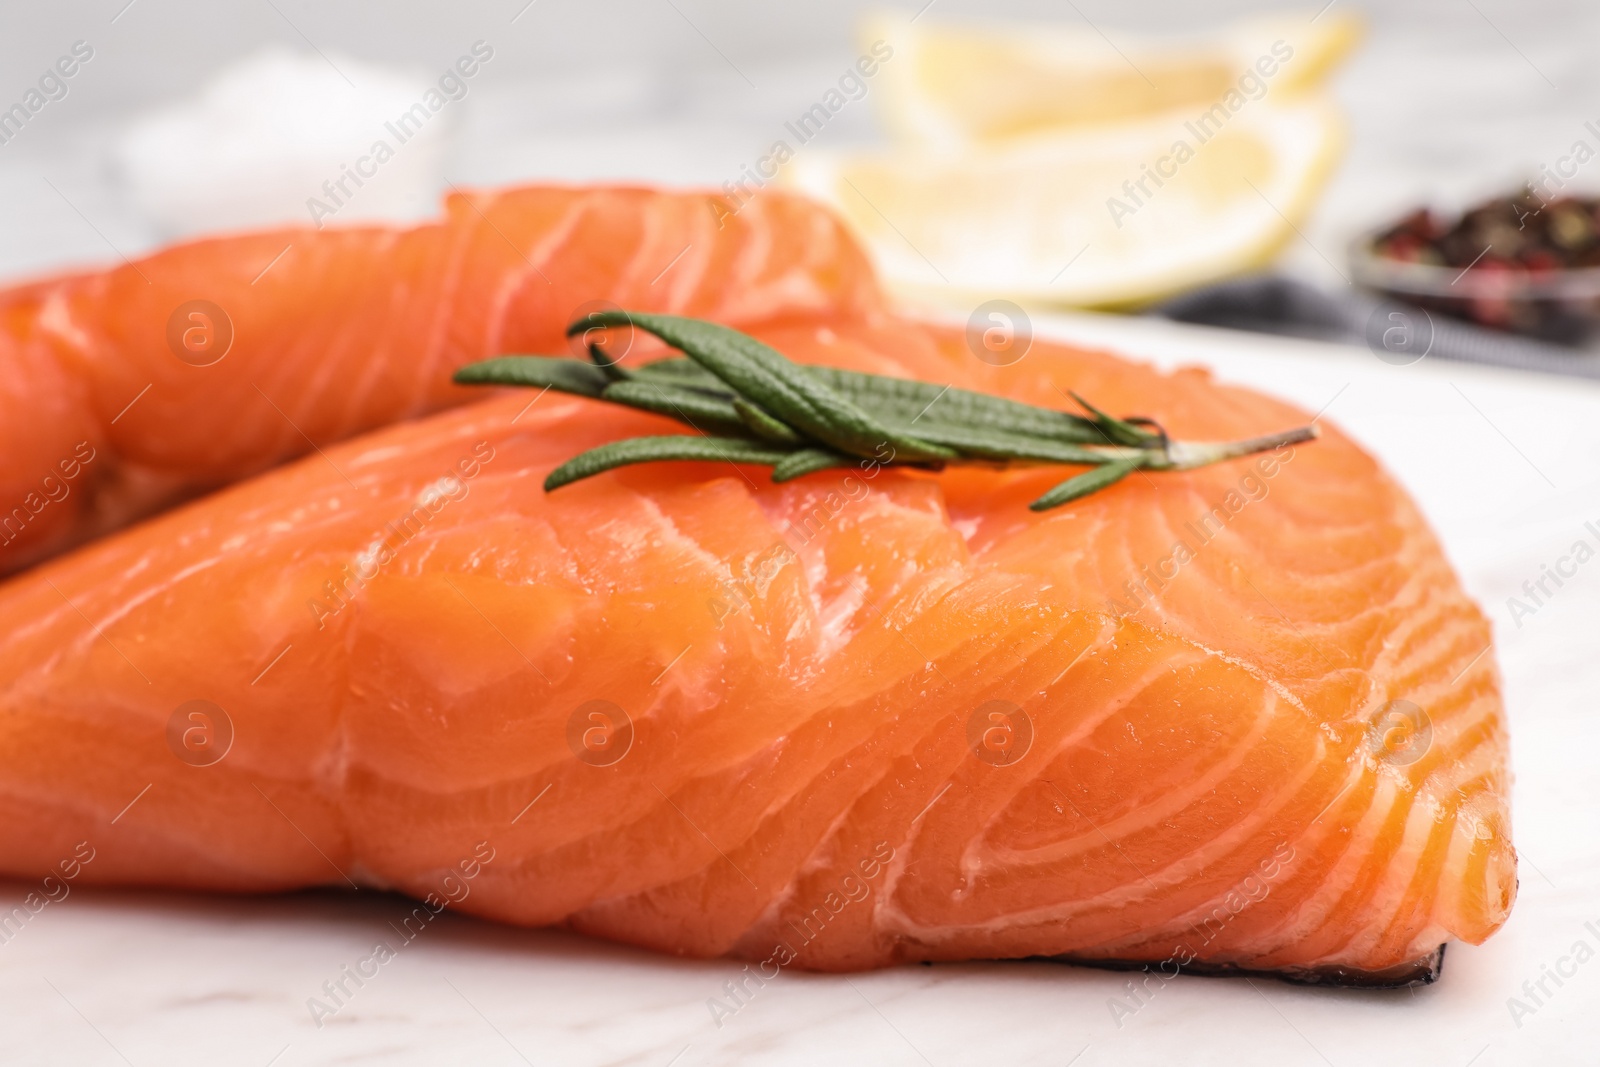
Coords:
1521,263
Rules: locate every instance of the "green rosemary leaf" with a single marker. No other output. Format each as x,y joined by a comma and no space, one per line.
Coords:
1087,482
612,369
1116,430
588,323
784,389
680,370
696,409
921,406
762,424
934,413
553,372
803,461
654,449
999,446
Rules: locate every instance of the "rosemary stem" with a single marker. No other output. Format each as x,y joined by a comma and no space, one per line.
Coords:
1187,455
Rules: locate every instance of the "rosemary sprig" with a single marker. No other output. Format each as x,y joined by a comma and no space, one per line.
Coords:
750,404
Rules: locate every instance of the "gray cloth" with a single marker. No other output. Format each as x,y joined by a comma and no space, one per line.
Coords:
1274,304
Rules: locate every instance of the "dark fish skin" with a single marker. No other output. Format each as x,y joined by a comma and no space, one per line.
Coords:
1424,970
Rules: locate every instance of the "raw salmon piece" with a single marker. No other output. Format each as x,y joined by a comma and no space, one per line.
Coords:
338,331
796,756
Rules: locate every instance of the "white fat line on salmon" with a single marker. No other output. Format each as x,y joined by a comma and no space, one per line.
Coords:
852,85
1537,589
1536,993
1252,488
398,533
52,86
55,490
451,86
53,889
755,575
1251,85
739,992
342,988
1252,889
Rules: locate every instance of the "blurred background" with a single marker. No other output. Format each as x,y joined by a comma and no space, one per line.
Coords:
194,116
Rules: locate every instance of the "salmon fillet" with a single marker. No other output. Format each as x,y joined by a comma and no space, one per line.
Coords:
868,716
127,390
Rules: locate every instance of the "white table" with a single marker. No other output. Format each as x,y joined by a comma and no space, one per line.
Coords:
1506,468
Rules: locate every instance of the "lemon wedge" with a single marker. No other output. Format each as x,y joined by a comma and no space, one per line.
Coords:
1107,216
950,82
